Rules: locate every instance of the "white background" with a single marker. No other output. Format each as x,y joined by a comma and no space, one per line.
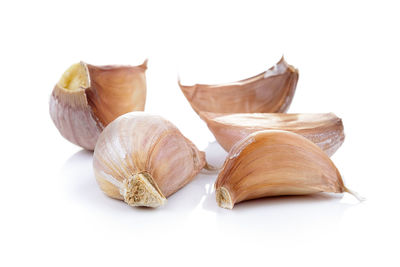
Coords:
52,211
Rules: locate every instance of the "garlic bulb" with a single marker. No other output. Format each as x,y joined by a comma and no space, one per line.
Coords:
274,163
142,159
270,91
324,129
88,97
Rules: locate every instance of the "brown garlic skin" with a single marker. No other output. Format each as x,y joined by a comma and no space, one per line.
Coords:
87,98
324,129
268,92
275,163
143,159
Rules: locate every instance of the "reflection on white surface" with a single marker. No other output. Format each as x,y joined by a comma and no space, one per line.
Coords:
196,201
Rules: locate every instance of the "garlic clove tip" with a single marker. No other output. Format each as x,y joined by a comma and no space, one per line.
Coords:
355,194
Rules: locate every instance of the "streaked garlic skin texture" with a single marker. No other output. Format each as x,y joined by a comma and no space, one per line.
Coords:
143,159
324,129
87,98
275,163
74,118
270,91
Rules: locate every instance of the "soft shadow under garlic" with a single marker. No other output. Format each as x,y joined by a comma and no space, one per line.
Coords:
269,91
280,214
283,215
80,186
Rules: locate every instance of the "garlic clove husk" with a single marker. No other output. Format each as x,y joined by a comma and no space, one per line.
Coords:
324,129
143,159
268,92
274,163
88,97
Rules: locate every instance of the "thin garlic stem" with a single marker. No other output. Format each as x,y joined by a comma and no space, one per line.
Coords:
355,194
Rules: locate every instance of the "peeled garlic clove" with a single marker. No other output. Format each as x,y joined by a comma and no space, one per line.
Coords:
88,97
270,91
324,129
142,159
274,163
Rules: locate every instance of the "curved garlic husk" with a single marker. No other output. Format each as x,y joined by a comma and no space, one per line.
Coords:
273,163
142,159
89,97
324,129
270,91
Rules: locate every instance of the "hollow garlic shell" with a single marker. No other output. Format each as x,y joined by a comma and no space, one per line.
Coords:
270,91
142,159
74,118
88,97
323,129
273,163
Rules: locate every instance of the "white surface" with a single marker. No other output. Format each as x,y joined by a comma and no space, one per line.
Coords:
53,213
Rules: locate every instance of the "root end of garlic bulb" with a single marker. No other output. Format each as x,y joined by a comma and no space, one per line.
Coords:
141,190
224,198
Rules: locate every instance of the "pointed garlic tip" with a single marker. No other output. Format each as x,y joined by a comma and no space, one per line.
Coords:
269,91
223,198
141,190
324,129
144,64
88,97
143,159
275,163
355,194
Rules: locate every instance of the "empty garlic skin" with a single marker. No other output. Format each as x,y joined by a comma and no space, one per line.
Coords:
89,97
324,129
274,163
270,91
142,159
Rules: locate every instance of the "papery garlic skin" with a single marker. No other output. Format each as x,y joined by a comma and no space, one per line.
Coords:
274,163
88,97
270,91
143,159
324,129
74,118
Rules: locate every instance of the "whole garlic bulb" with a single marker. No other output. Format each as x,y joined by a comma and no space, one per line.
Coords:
88,97
142,159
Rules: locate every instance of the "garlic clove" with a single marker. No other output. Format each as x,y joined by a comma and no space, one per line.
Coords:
270,91
324,129
88,97
143,159
274,163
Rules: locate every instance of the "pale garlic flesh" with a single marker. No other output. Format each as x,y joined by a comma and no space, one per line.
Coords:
274,163
324,129
88,97
143,159
270,91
